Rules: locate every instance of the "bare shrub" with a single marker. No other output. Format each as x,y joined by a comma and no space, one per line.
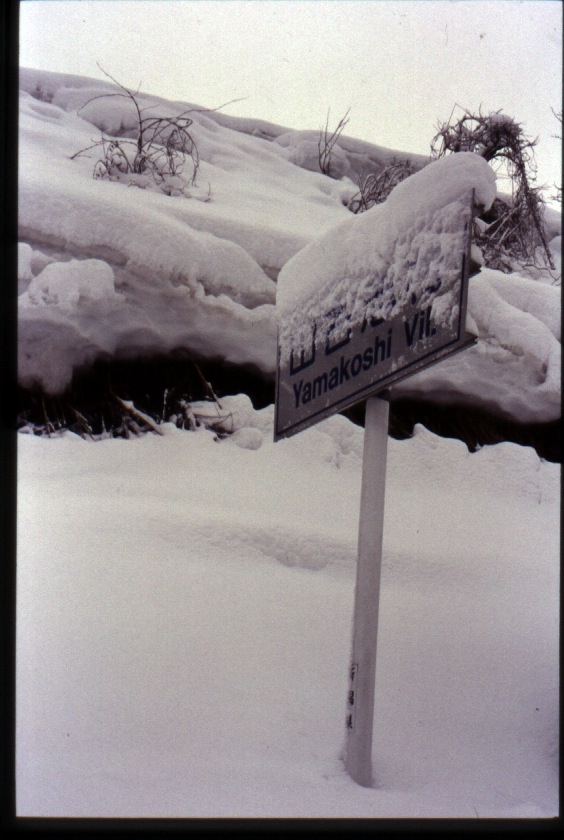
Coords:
375,188
515,228
160,149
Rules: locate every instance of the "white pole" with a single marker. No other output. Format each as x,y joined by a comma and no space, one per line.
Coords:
360,699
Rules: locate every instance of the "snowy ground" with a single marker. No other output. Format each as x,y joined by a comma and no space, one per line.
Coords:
184,625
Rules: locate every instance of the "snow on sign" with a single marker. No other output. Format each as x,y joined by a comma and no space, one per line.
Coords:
389,308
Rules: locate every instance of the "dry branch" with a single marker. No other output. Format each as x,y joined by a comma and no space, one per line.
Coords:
130,409
375,188
160,148
327,141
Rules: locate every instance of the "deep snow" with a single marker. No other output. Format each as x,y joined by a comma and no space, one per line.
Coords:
108,268
184,624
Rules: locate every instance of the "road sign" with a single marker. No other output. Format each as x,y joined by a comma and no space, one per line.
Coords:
355,352
348,359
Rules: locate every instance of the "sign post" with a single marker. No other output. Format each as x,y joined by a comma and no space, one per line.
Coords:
346,353
360,699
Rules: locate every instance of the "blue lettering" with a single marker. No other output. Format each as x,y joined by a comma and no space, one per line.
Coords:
356,364
297,389
320,385
334,378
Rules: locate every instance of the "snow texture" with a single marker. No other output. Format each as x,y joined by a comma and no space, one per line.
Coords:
184,622
373,264
120,268
517,321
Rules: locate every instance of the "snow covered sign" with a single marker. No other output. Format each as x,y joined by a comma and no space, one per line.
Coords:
373,301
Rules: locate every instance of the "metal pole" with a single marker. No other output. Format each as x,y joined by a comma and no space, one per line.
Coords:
360,699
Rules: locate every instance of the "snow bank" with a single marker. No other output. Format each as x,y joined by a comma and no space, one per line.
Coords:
350,158
195,270
74,312
515,368
191,270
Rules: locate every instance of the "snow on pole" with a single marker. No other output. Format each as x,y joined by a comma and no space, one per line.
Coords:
360,698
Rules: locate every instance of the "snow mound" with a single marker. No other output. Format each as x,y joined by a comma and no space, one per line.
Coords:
193,269
74,312
68,284
514,369
350,158
196,269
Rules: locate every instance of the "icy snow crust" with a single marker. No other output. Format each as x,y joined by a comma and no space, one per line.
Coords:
111,269
184,618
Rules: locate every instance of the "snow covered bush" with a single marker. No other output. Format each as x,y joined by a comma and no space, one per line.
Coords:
513,233
156,153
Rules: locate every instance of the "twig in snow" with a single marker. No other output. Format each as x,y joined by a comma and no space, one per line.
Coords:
128,406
